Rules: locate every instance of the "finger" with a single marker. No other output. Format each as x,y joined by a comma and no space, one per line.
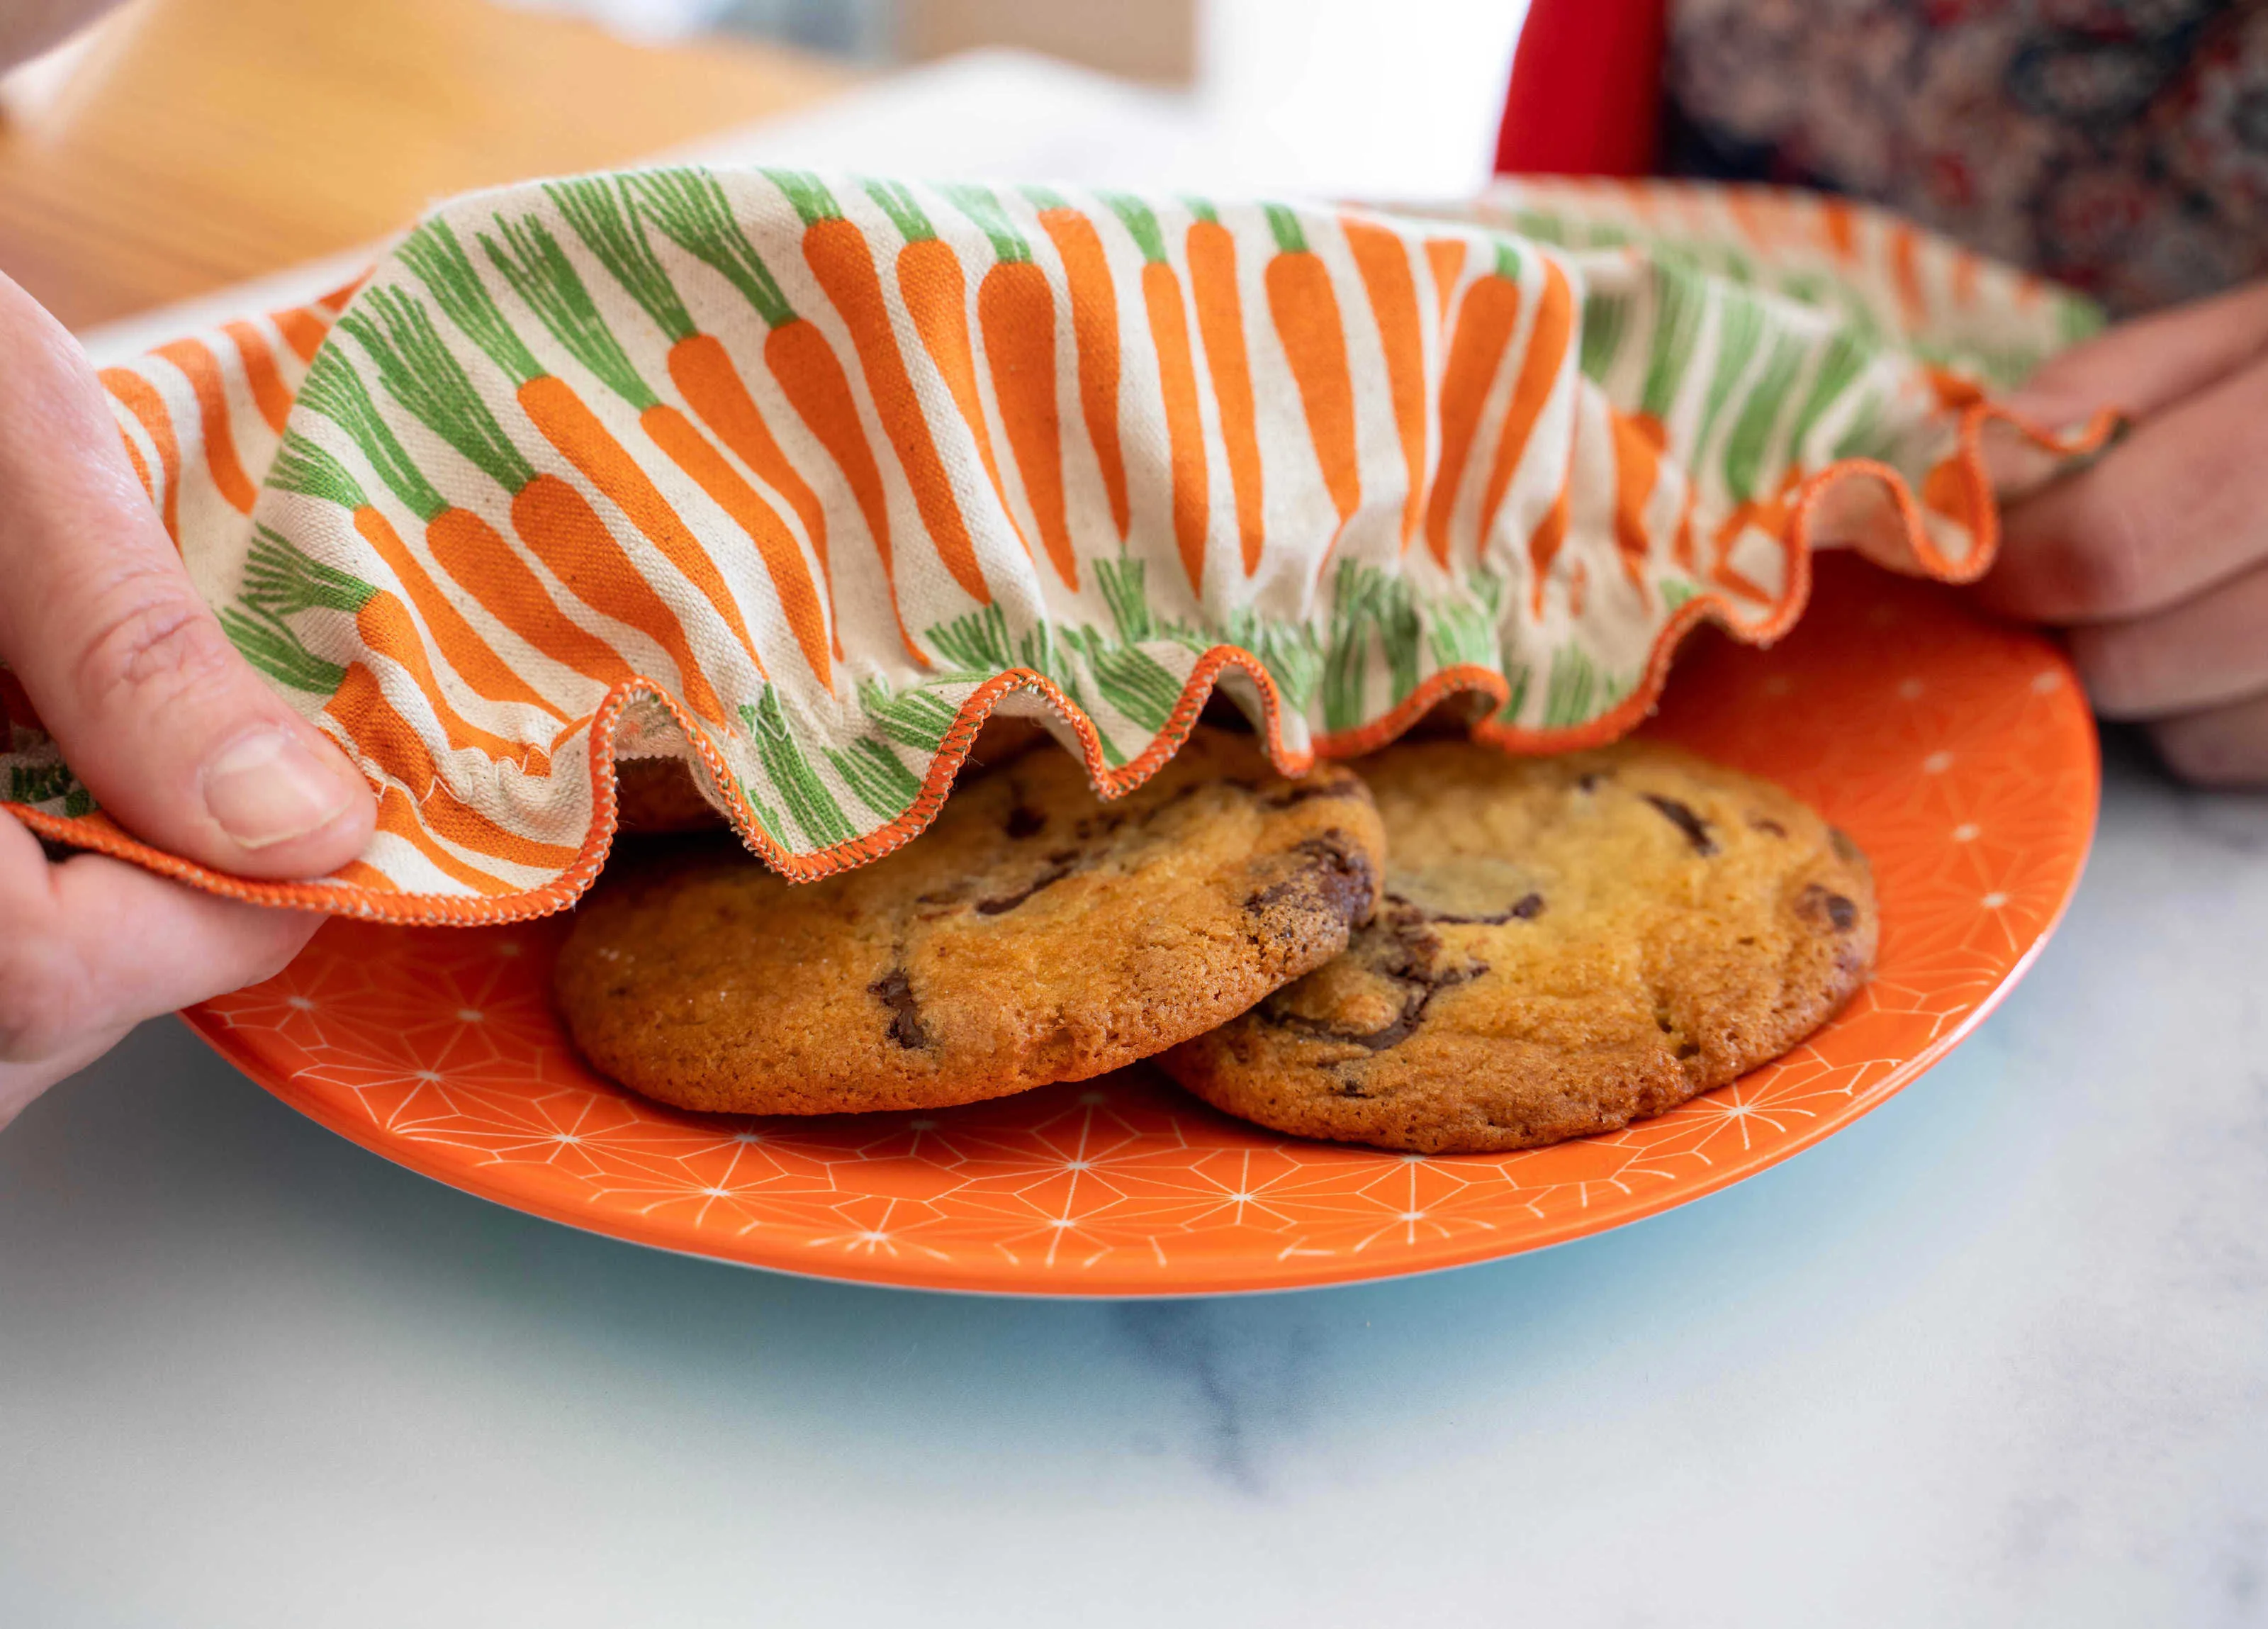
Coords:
2178,506
2145,365
170,728
93,946
2218,747
2202,652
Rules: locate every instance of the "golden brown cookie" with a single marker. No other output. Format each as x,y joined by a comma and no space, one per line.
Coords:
1033,933
1565,945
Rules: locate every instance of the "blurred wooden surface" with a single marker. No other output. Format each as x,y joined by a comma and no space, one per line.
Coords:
201,142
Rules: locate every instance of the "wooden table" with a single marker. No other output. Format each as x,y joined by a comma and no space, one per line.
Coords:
202,141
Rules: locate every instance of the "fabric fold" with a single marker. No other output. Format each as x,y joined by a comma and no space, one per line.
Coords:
800,476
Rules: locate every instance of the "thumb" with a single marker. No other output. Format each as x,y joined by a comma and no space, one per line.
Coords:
173,731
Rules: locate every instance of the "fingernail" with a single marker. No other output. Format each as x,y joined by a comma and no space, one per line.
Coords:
266,788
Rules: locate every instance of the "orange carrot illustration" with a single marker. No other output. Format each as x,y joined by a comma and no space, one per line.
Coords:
1839,223
280,581
699,366
1476,345
1016,313
1307,320
554,520
1177,380
935,291
1094,327
690,208
1212,253
141,466
398,817
424,378
540,273
138,396
383,736
201,369
303,331
303,467
1638,441
837,252
1548,341
1383,262
268,391
1445,257
1543,544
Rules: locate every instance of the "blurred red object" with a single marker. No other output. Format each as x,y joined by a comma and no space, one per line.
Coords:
1586,97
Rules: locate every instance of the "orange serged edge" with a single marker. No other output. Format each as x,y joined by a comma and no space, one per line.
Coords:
97,832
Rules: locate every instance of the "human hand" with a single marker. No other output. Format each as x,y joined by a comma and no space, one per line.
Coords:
177,738
2155,557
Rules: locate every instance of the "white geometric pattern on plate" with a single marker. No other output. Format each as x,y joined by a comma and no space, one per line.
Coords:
1959,754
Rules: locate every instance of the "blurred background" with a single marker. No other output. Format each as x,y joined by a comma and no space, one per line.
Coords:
182,147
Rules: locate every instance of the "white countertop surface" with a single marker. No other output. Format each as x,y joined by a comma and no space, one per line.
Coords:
1996,1355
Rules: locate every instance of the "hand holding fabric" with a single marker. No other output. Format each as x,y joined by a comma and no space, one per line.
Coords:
103,634
2155,557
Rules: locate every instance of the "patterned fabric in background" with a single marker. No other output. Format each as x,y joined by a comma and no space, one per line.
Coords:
2118,145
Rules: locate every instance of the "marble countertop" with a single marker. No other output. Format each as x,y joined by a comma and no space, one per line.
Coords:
1997,1353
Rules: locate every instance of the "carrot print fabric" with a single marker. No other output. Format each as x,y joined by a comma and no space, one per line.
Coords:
798,478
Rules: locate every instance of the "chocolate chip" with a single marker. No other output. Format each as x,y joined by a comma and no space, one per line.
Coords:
1055,873
1817,903
1695,829
1526,908
1588,781
1406,952
1337,875
1757,822
895,990
1844,847
1025,823
1302,790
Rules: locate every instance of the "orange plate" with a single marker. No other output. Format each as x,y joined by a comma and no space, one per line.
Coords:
1959,752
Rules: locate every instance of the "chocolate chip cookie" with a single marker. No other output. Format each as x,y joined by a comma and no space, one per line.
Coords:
1565,945
1033,933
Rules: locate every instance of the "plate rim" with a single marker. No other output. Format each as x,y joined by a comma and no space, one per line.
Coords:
1200,1277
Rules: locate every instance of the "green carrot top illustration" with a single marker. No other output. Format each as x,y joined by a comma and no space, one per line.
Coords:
984,207
542,275
334,389
692,212
433,253
616,238
1142,222
421,373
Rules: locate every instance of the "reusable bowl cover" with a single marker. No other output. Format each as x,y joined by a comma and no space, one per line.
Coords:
799,477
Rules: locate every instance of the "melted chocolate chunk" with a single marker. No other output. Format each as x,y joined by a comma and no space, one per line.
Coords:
1588,781
1526,908
1337,875
1302,790
1820,906
1407,957
1058,868
895,990
1024,822
1695,829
